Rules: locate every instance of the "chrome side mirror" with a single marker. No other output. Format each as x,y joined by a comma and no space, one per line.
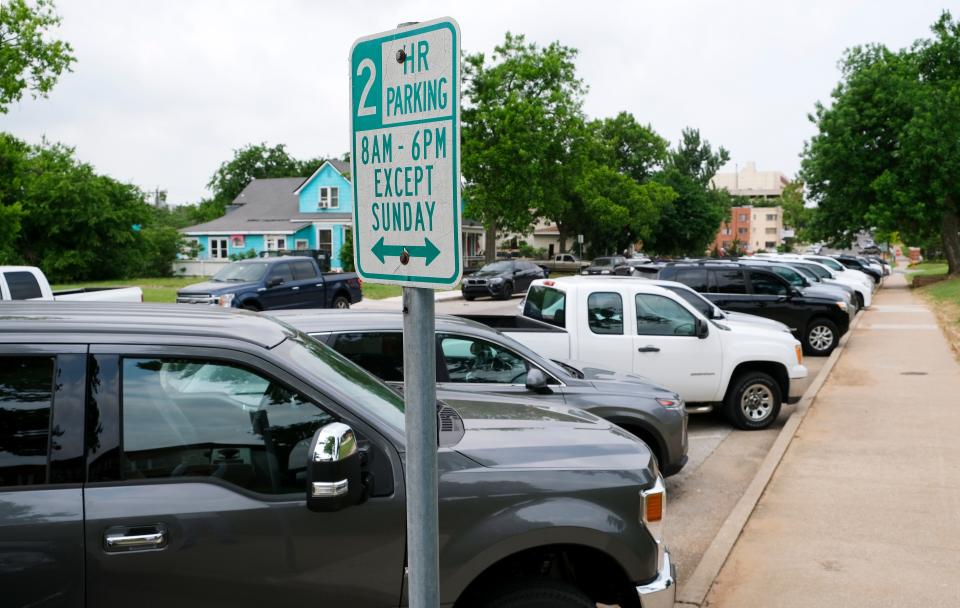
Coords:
333,469
537,381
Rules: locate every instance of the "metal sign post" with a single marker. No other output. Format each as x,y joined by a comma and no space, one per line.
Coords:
405,153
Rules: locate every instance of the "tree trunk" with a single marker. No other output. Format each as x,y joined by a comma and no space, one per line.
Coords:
561,238
950,234
490,243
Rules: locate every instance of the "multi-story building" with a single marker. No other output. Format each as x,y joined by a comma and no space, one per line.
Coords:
737,228
754,228
751,183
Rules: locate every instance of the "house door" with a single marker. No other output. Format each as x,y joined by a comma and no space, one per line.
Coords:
325,245
550,252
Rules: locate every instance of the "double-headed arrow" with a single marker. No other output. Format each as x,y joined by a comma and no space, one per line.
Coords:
428,251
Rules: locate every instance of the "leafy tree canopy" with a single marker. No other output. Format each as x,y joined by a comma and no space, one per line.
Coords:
887,151
521,119
30,60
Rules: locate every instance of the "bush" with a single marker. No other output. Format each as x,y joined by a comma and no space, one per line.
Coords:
529,251
346,255
246,255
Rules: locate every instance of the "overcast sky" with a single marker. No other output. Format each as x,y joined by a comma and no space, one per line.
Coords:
163,91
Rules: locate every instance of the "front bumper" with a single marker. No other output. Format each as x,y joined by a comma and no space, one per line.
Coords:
662,591
799,381
481,289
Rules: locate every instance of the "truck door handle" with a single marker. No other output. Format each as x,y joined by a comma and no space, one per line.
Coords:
295,287
648,349
149,537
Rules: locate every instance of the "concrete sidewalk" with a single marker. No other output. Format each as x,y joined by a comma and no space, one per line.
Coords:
864,509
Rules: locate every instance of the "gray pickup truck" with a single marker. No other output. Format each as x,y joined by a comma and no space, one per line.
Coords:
193,456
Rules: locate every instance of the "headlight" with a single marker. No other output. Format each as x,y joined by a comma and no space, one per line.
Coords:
496,280
670,403
604,272
652,508
226,300
842,306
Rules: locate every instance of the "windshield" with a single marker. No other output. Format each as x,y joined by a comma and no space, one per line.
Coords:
831,264
790,275
242,272
498,267
546,304
822,273
358,389
603,262
807,273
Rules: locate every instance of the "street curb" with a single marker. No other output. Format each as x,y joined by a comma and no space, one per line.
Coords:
437,297
694,591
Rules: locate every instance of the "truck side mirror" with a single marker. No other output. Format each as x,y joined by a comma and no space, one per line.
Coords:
703,330
333,469
537,381
274,281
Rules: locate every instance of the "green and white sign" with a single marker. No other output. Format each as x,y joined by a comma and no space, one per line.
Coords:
405,150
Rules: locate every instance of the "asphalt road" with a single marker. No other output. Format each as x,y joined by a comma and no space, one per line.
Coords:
722,461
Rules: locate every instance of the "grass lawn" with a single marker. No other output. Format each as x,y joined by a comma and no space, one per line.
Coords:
926,269
376,291
945,297
162,289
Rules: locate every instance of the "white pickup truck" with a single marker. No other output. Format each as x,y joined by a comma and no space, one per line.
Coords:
29,283
635,326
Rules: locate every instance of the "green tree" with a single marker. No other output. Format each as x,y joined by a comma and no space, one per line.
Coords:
689,223
633,149
253,161
346,255
521,119
887,151
30,59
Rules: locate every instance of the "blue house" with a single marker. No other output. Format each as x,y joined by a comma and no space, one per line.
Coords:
283,213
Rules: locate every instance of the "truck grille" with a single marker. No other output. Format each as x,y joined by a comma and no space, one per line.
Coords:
200,298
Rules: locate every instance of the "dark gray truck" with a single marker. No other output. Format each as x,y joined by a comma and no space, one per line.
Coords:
475,358
273,284
160,455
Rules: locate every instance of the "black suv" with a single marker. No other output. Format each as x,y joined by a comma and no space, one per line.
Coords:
855,263
616,264
818,322
501,279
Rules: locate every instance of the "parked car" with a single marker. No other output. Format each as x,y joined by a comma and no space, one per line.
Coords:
29,283
807,287
818,322
634,326
474,358
644,268
609,265
564,262
874,271
275,283
815,280
212,453
500,280
842,271
857,281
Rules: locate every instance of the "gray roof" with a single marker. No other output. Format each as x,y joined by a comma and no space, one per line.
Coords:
265,205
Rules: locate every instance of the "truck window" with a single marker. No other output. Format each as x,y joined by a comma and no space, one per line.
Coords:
201,418
766,284
694,278
23,285
730,281
703,306
282,271
471,359
605,313
660,316
546,304
303,270
26,391
380,353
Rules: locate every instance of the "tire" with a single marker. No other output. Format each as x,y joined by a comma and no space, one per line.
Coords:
507,292
753,401
469,298
253,307
820,338
859,300
341,302
539,594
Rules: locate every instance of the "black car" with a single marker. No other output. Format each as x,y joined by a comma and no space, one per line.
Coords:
855,263
501,279
616,264
817,321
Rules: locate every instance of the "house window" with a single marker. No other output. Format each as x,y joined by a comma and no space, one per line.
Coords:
727,231
742,230
771,217
276,242
302,244
329,197
743,217
770,245
218,248
771,230
325,242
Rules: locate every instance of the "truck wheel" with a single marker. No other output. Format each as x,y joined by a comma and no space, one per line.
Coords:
821,337
506,292
540,594
341,302
859,300
753,402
